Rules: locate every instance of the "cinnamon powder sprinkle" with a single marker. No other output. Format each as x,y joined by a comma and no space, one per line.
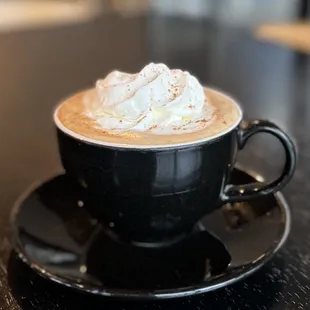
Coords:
153,127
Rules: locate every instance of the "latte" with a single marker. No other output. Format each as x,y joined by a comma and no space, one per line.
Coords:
156,107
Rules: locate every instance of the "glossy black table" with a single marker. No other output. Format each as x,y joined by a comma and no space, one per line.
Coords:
39,67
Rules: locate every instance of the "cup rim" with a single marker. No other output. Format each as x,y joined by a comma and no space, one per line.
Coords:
95,142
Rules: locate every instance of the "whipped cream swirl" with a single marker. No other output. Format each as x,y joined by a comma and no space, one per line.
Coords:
156,99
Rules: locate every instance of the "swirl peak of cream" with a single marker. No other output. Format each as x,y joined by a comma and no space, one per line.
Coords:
156,99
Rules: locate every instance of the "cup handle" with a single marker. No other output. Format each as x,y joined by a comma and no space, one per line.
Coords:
235,193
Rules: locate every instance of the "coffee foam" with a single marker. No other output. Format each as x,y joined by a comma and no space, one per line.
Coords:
71,117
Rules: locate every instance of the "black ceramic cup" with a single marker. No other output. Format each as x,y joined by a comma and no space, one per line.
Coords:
154,195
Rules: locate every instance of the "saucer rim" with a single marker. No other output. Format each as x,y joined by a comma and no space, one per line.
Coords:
236,274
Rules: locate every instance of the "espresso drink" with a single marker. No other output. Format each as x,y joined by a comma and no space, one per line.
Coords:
156,107
144,146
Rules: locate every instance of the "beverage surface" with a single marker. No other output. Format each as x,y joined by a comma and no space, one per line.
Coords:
155,107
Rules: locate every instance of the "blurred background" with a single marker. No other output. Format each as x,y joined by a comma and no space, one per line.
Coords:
25,14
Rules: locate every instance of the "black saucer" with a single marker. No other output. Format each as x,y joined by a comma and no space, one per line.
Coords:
55,236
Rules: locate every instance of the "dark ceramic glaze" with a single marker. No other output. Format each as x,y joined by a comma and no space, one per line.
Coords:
156,195
57,237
